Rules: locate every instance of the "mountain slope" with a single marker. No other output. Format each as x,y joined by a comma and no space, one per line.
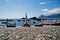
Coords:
51,16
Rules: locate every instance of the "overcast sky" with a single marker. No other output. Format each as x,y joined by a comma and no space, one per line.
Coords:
18,8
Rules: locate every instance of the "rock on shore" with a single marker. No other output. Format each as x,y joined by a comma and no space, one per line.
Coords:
30,33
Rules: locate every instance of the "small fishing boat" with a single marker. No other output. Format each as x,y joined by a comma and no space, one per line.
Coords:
54,22
26,23
10,24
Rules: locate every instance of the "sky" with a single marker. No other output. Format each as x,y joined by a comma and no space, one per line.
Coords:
18,8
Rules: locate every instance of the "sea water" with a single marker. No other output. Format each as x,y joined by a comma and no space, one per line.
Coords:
19,23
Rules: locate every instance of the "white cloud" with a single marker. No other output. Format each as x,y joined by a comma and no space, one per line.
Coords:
53,11
45,10
42,2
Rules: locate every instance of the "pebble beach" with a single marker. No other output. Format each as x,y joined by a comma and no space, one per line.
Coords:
30,33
